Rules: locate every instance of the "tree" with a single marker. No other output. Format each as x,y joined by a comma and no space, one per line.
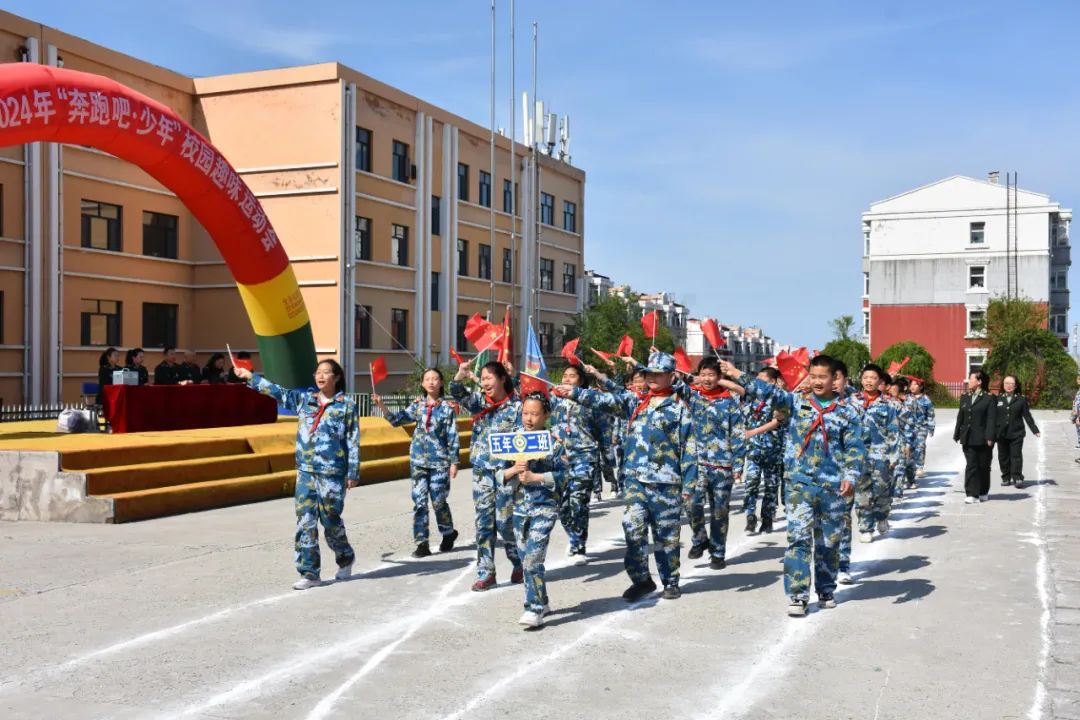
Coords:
1020,345
842,326
921,364
854,354
603,325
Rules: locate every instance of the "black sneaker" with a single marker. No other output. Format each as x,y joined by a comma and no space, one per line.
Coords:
697,551
717,564
1018,484
639,590
672,592
422,550
751,524
448,541
826,602
766,525
1005,482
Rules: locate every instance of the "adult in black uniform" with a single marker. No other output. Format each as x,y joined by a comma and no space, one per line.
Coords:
108,363
168,372
976,427
135,357
1012,412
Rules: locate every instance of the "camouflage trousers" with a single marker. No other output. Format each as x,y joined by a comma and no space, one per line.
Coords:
656,507
845,536
873,493
918,451
433,484
713,486
494,503
902,471
815,526
532,527
574,500
759,470
319,499
608,467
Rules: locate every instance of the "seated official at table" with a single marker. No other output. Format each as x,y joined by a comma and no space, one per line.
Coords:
168,371
135,357
214,370
108,363
189,370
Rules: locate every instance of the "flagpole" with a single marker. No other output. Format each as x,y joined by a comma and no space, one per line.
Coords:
535,377
491,184
513,175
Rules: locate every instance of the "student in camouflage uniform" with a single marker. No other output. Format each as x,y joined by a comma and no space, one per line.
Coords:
719,445
433,459
660,467
922,412
904,469
844,393
495,408
1074,416
881,428
327,463
823,457
764,458
574,426
535,486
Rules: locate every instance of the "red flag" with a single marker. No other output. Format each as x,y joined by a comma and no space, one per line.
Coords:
771,362
457,358
569,351
601,355
530,384
711,331
650,323
482,334
802,356
895,367
505,351
378,371
793,371
626,346
682,361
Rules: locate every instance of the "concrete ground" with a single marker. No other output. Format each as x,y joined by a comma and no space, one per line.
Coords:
960,612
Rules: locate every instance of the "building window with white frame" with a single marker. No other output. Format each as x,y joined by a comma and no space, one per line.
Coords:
547,274
976,322
1059,280
977,233
1059,324
399,245
866,243
866,323
975,362
976,277
866,284
362,237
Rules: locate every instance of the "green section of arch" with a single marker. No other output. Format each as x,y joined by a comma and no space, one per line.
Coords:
289,359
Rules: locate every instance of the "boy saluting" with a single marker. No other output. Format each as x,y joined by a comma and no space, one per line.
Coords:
823,457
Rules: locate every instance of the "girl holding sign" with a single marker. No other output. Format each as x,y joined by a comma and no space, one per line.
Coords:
433,459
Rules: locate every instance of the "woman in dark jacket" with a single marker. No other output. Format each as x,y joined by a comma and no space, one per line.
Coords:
108,363
976,427
135,357
214,371
1012,412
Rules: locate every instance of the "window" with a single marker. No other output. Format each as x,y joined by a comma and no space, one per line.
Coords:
547,338
547,274
976,322
978,233
1059,280
1059,324
362,238
460,344
975,362
976,277
436,215
569,216
865,324
363,149
362,326
547,208
100,322
508,266
159,325
463,181
866,244
485,188
508,196
866,284
569,278
400,162
399,328
462,257
434,291
101,226
399,245
483,265
159,235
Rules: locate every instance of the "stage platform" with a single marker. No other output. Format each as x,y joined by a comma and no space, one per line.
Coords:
95,477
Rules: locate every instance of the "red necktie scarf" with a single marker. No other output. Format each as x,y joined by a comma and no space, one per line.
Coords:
819,422
646,399
430,406
319,414
758,408
491,407
717,393
869,399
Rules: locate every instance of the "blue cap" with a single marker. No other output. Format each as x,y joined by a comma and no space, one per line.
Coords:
661,362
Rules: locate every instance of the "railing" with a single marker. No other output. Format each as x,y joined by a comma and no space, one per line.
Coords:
393,403
955,389
19,413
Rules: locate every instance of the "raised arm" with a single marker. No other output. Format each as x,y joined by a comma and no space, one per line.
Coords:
292,400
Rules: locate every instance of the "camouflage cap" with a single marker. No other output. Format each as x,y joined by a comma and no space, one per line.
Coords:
661,362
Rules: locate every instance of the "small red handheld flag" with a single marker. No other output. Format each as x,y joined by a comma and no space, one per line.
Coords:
711,331
482,334
895,367
569,351
650,323
802,356
793,371
378,371
457,358
602,355
626,346
505,350
682,361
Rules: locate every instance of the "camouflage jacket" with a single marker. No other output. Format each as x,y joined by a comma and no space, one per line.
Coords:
881,426
905,419
546,494
657,447
1075,414
574,426
922,411
717,428
767,444
826,454
435,441
332,447
503,419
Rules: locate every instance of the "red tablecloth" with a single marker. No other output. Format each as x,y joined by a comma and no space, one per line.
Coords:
135,408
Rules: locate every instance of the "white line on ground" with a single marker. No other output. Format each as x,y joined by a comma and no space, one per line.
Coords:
877,705
1042,583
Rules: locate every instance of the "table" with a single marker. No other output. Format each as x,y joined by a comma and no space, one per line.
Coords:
136,408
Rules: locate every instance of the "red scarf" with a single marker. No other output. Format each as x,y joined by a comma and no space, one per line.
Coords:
869,399
646,399
491,407
429,406
319,414
717,393
819,422
758,408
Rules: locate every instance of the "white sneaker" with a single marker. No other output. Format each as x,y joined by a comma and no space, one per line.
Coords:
531,619
866,537
570,552
306,583
970,500
920,473
546,611
344,573
844,578
984,498
579,559
882,527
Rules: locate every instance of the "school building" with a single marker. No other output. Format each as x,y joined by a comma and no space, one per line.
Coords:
934,257
394,219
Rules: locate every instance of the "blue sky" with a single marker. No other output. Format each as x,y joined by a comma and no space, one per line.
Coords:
730,148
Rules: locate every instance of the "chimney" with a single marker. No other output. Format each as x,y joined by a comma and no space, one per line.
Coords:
993,176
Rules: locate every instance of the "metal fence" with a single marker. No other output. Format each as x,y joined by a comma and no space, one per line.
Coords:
19,413
393,403
955,389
